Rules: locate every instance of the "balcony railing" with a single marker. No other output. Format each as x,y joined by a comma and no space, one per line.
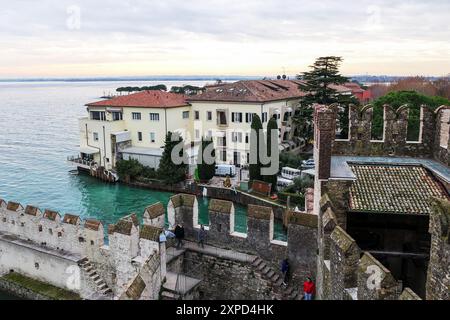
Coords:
83,162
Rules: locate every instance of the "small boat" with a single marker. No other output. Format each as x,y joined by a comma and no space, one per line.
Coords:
74,172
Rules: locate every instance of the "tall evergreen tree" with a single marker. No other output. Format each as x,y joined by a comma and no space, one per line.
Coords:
272,126
318,85
168,171
206,171
255,145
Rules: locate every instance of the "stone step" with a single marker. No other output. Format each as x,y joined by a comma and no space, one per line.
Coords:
266,270
270,274
278,283
261,266
102,287
275,277
107,291
257,262
288,291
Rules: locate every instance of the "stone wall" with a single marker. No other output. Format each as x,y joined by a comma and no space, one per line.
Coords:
438,279
259,237
225,279
394,141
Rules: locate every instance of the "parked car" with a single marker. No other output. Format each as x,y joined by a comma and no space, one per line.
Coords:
308,164
290,173
224,170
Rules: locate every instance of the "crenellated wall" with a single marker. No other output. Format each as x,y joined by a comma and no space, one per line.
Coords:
70,253
301,247
433,127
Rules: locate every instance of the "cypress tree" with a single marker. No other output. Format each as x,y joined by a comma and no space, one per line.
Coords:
168,171
272,126
255,168
205,171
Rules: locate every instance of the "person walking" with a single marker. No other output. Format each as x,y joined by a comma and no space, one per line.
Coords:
285,271
179,235
202,236
308,289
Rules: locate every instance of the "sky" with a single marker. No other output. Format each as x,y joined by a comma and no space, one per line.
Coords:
50,38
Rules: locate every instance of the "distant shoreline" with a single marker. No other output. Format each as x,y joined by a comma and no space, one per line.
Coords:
136,79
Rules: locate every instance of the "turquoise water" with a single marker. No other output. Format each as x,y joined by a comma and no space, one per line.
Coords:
39,129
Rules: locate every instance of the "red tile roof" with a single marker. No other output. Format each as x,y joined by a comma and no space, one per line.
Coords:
144,99
257,91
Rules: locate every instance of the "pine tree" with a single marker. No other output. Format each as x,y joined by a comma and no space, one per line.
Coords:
272,126
168,171
318,85
255,145
205,171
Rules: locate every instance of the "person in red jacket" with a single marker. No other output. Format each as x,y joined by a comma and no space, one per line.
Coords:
308,289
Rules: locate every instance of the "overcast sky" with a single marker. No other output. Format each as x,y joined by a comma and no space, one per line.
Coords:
221,37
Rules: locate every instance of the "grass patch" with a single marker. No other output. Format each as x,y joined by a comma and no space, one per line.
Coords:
40,287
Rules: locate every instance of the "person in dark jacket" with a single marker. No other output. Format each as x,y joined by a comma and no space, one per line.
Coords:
179,235
285,271
202,236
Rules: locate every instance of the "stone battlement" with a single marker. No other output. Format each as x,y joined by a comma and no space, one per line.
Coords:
348,273
433,141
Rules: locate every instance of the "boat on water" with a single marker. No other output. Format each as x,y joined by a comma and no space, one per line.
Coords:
74,172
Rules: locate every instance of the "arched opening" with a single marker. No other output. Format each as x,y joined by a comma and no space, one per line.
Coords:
377,133
342,123
414,125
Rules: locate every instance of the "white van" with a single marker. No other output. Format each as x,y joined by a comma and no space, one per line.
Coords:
224,170
283,183
290,173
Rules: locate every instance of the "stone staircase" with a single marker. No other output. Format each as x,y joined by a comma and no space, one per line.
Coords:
102,287
282,292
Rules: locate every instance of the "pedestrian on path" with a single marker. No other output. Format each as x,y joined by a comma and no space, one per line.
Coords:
308,289
179,235
285,271
202,236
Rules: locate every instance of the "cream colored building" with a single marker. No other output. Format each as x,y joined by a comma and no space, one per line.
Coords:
135,125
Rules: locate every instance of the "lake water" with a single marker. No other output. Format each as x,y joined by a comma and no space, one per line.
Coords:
39,129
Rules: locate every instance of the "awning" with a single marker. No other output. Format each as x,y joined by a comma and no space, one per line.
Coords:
89,150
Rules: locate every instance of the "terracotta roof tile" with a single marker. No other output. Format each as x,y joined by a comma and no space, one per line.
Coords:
135,290
154,211
71,219
92,224
144,99
31,210
394,189
13,206
150,233
50,214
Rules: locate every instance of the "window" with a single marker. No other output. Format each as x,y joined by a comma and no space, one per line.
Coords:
197,115
80,239
152,137
248,157
13,222
236,137
140,136
222,141
210,133
197,134
50,231
247,137
136,115
59,234
98,115
209,115
95,135
92,242
185,114
223,155
22,224
248,117
117,116
154,116
221,118
40,228
264,117
36,265
236,117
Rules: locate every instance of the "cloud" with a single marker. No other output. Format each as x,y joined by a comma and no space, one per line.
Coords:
220,36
